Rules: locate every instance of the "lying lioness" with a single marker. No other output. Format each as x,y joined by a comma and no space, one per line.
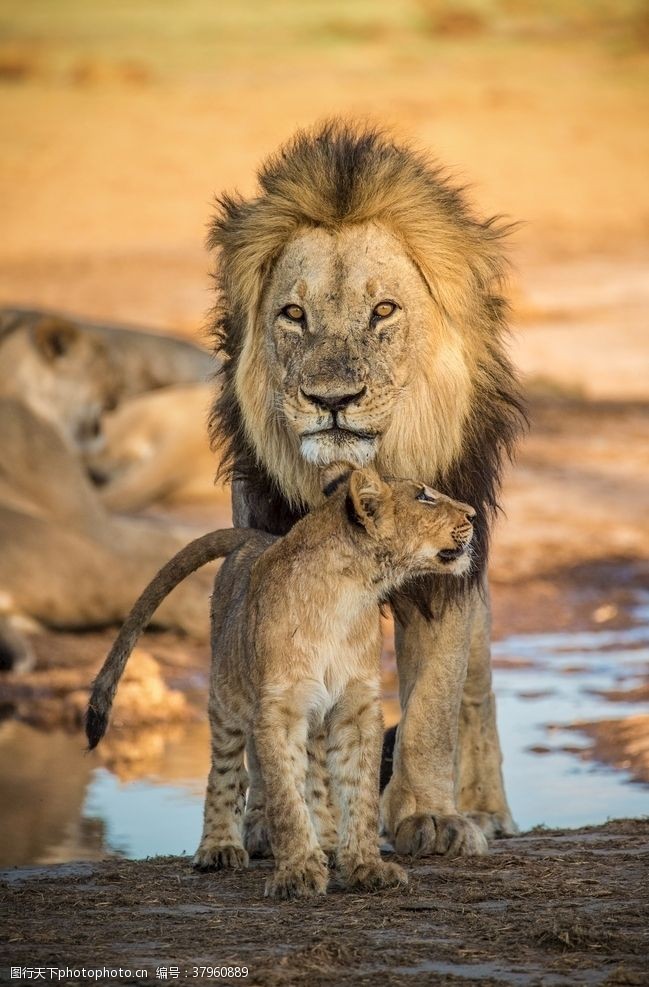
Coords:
295,673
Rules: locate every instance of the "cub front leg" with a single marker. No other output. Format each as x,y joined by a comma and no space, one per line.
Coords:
280,737
221,845
419,805
319,797
353,757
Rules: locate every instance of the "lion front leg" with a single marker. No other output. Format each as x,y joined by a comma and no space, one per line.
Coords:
419,806
481,790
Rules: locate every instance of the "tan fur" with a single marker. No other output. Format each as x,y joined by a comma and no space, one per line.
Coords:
142,359
63,374
295,673
155,449
421,425
345,218
65,561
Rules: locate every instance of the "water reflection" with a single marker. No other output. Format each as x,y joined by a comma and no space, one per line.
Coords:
142,794
44,778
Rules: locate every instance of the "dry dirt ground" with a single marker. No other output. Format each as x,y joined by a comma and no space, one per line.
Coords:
553,908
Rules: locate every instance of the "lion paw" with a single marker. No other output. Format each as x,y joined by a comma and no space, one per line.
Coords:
255,835
304,880
220,856
374,875
452,836
494,825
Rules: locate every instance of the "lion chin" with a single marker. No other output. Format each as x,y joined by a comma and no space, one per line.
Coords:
335,444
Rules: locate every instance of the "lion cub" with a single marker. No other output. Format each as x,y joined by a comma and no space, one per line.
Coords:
295,671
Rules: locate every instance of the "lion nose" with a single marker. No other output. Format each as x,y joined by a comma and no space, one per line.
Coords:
333,402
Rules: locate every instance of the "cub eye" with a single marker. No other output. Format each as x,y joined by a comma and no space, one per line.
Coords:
293,312
383,310
426,495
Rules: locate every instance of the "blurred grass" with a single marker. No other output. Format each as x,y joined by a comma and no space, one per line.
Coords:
617,22
71,38
197,34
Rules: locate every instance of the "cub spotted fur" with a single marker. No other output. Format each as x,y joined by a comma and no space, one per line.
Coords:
295,671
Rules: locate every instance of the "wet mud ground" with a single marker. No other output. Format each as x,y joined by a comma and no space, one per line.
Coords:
551,907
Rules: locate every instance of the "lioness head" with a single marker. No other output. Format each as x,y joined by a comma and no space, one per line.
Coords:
413,529
61,372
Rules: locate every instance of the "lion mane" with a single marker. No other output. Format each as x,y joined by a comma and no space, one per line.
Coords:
331,177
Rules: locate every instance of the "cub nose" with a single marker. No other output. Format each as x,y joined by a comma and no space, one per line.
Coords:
333,402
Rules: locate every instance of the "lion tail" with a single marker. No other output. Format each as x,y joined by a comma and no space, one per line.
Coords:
207,548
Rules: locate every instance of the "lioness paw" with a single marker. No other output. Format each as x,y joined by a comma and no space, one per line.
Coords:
220,856
306,880
452,836
255,835
374,875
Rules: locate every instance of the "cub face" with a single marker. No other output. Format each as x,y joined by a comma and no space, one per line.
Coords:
419,530
429,532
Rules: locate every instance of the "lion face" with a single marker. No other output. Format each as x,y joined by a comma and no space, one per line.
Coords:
337,318
351,340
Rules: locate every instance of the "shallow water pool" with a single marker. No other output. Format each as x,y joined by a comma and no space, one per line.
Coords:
58,804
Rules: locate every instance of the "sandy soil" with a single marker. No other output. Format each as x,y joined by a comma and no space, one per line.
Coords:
551,907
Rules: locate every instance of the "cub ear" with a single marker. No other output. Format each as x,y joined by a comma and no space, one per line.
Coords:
367,498
54,337
332,476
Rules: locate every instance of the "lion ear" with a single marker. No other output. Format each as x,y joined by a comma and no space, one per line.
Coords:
367,499
332,476
54,337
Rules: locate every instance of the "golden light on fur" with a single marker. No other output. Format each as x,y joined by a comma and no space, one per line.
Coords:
344,219
453,407
334,204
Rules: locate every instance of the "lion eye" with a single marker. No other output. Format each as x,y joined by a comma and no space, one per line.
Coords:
293,312
383,310
426,495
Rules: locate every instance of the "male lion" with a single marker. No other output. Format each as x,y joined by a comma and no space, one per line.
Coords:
360,317
296,647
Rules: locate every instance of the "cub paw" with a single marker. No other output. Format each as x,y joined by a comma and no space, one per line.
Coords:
255,835
451,836
494,825
220,856
374,875
305,880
